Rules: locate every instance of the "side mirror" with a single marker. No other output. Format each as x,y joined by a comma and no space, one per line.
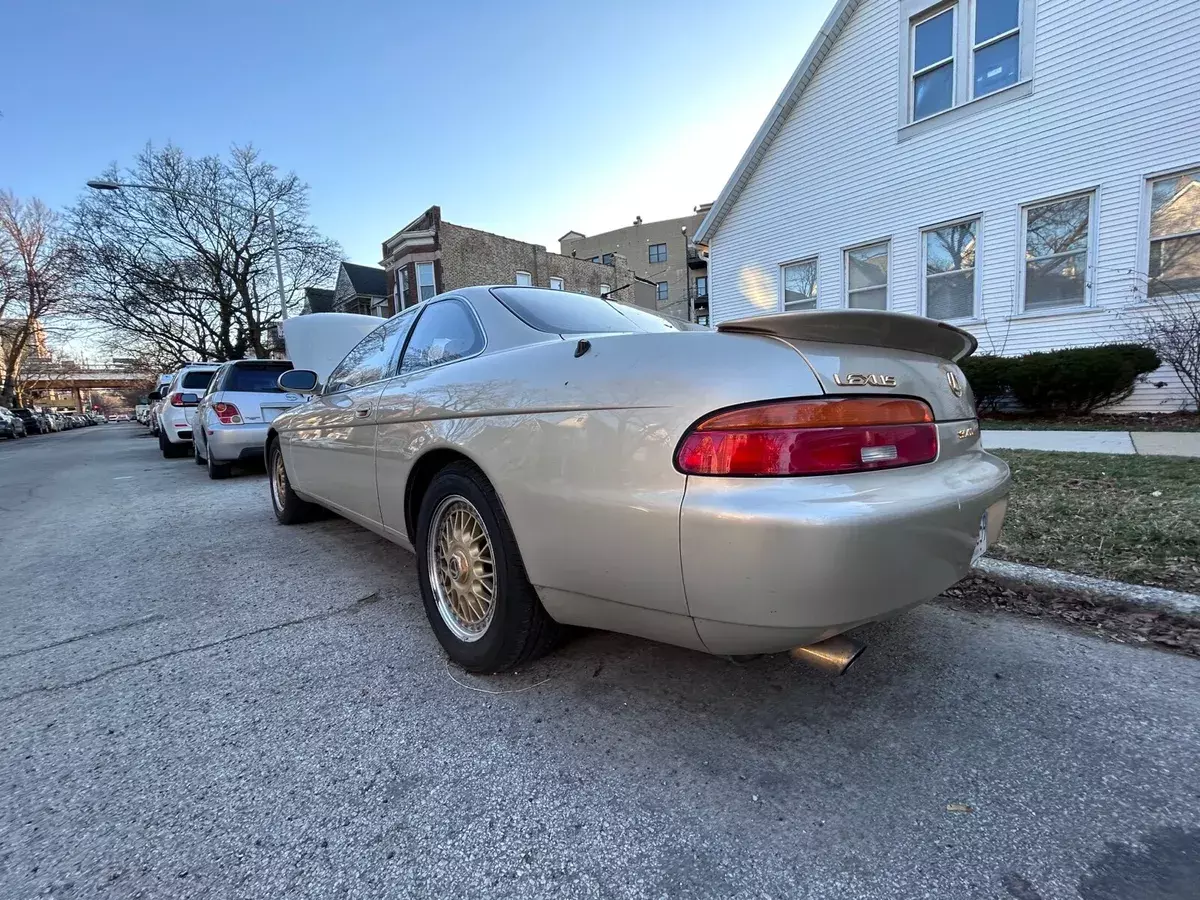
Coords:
298,381
154,395
190,399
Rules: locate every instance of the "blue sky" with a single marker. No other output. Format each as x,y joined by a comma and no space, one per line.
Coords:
527,119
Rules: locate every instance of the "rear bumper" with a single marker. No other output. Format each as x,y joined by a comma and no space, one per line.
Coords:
770,564
229,443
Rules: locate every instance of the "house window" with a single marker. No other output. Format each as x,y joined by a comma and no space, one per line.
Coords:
556,284
605,289
660,292
962,51
426,287
595,259
996,45
1057,241
379,307
950,254
525,279
800,285
401,288
1175,234
702,286
933,64
867,277
658,253
607,259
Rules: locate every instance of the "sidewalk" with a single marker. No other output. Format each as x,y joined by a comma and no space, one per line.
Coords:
1145,443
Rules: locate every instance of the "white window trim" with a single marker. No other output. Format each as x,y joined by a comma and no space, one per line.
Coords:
922,277
517,278
815,259
1089,275
932,13
912,13
974,47
559,286
846,270
432,279
1144,240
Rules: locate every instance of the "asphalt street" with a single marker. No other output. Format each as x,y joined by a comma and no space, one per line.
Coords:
198,702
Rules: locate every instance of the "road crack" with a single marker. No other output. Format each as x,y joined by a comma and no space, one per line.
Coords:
159,657
144,620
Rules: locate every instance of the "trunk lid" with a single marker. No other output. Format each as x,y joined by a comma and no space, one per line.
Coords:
880,353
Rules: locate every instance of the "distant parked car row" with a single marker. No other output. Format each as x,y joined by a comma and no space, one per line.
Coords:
18,423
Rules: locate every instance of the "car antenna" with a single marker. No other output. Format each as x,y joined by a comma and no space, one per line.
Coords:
582,347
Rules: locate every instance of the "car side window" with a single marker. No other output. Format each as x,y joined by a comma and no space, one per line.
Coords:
445,332
371,359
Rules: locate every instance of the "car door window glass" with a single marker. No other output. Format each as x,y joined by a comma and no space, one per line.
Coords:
371,359
447,331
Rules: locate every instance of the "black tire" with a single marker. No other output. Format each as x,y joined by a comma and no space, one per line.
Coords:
289,508
520,629
217,471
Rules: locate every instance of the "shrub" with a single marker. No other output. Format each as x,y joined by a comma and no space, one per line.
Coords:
988,377
1080,379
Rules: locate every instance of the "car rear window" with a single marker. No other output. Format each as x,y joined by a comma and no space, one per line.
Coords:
565,312
193,380
255,379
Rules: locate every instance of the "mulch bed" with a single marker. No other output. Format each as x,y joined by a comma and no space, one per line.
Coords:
1112,620
1174,421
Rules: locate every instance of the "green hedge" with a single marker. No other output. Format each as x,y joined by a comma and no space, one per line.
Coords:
1059,382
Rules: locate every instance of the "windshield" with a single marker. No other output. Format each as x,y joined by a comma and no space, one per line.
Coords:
256,378
564,312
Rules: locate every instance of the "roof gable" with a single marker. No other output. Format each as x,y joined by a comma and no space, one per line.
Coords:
771,126
366,279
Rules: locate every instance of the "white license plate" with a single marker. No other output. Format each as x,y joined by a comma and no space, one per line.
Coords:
981,543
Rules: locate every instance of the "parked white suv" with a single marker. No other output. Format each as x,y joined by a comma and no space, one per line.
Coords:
177,407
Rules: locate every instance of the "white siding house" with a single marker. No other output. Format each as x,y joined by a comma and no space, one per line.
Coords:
992,162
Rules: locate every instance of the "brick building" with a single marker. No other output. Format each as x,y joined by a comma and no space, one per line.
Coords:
430,255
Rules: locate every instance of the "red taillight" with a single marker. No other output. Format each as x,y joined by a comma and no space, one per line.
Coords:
176,399
823,436
227,414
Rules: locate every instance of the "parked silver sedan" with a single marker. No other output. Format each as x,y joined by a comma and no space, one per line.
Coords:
557,459
231,419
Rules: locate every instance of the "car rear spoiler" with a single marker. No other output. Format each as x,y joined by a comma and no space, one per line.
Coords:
865,327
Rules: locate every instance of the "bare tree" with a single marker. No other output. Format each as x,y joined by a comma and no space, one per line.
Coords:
36,266
186,270
1168,321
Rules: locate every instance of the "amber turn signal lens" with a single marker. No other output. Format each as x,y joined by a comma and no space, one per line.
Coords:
826,412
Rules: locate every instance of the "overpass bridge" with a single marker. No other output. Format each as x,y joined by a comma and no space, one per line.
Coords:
37,382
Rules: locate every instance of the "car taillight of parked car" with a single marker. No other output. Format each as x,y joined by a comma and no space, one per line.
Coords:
821,436
176,399
227,414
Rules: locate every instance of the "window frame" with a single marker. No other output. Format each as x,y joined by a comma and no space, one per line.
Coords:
846,251
663,288
815,259
606,259
517,279
561,284
398,362
914,22
661,246
977,292
913,13
1145,239
1089,296
432,280
700,278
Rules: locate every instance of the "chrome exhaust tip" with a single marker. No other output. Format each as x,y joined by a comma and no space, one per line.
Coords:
832,655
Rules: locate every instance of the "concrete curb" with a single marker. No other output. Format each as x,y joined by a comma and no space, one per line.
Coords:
1016,575
1131,443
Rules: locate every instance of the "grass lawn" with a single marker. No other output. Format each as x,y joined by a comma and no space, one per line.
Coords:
1129,518
1181,421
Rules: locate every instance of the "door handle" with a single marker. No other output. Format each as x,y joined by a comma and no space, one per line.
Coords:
362,412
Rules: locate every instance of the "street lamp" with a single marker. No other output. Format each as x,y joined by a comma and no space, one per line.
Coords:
103,184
